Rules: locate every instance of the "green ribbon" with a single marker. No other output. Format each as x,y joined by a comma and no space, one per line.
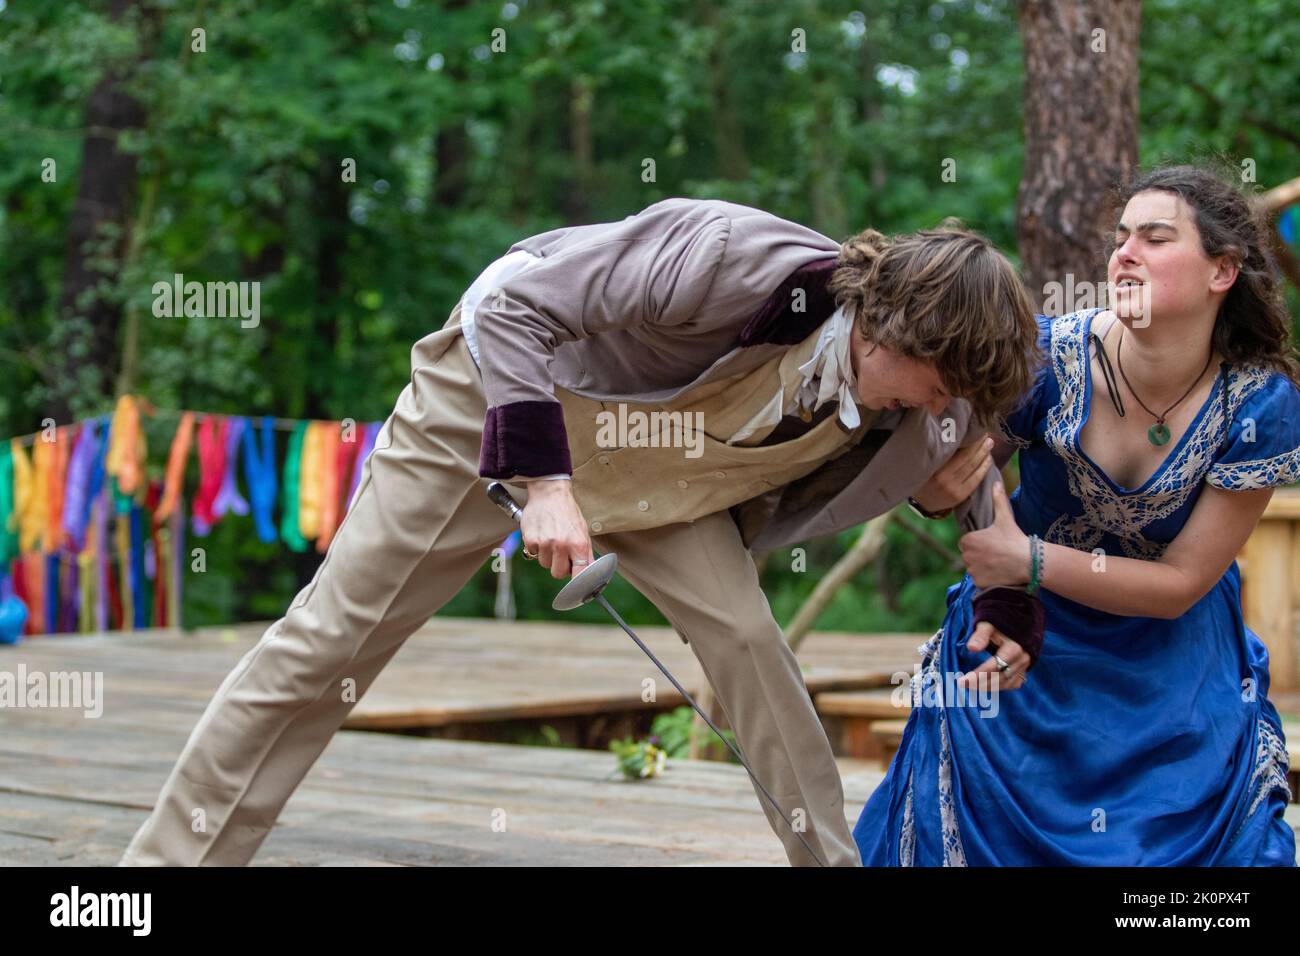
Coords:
8,539
289,491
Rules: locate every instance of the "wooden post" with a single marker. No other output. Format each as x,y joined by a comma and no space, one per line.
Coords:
1270,567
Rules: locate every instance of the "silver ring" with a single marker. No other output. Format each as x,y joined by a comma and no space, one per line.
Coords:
580,562
528,556
1002,665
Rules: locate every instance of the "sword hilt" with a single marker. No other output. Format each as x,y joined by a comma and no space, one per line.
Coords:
505,500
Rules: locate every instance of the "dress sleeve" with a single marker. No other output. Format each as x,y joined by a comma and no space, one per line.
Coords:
1021,428
1262,446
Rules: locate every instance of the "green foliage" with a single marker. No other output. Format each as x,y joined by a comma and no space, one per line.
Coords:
672,732
543,736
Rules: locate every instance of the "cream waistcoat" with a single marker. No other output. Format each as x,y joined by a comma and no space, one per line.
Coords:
641,465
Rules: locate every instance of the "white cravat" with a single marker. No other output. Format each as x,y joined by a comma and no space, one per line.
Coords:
828,376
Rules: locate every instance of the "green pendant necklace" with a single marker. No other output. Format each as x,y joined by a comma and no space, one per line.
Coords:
1157,434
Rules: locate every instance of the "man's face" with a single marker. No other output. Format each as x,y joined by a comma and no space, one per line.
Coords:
887,380
1158,262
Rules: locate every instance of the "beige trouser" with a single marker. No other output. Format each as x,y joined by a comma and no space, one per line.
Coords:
418,529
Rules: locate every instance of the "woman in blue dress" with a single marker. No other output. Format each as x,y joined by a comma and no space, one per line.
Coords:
1143,735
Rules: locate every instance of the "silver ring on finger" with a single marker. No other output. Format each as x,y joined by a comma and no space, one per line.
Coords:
529,556
578,562
1002,665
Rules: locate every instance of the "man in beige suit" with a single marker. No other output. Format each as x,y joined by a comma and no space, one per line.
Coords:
779,386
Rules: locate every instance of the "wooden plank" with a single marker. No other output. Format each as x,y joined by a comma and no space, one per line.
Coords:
452,671
873,704
1267,601
410,801
850,717
1285,504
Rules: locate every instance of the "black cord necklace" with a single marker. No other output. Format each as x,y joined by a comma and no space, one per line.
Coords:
1157,434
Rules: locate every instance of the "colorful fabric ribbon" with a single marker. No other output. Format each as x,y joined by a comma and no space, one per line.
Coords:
212,467
29,512
60,452
8,524
77,490
347,457
289,490
89,543
42,465
259,475
127,452
329,485
177,458
228,497
367,446
309,482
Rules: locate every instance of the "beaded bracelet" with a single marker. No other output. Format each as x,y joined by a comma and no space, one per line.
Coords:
1036,549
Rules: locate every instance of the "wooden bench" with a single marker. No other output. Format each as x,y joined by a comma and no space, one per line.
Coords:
889,735
852,716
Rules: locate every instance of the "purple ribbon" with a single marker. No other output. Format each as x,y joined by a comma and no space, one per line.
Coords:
367,446
77,491
229,498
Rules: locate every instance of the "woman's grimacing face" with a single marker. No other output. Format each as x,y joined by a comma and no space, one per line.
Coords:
1158,265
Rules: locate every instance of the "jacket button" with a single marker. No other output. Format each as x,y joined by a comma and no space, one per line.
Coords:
596,526
682,482
719,474
603,459
643,505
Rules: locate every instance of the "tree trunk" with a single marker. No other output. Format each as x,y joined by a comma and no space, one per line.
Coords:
451,176
89,354
826,193
451,149
728,132
1081,112
582,186
869,92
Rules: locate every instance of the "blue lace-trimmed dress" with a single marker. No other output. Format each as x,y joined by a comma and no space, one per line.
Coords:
1137,741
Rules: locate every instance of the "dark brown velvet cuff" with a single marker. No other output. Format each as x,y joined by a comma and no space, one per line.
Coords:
524,438
1016,613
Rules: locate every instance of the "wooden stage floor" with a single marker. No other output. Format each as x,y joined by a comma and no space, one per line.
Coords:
74,789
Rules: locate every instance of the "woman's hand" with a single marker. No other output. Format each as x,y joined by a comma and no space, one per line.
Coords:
998,554
958,477
1013,678
553,528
